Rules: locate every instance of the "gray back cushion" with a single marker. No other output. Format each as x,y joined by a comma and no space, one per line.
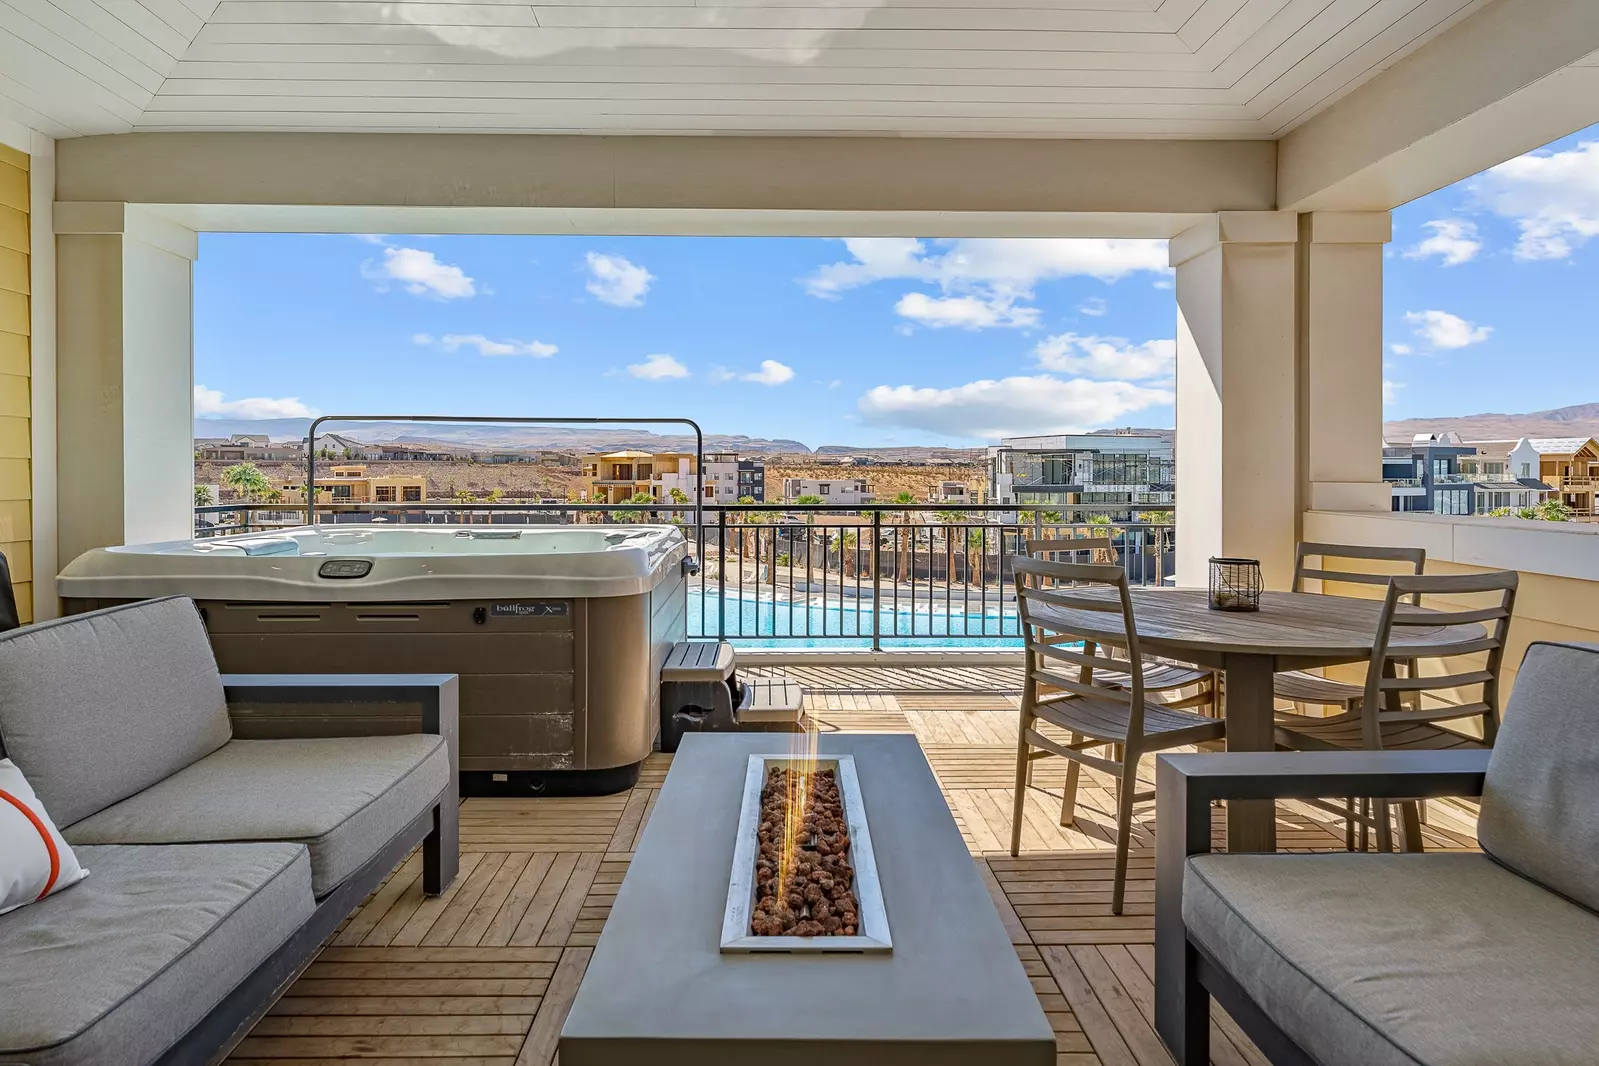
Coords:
99,706
1540,804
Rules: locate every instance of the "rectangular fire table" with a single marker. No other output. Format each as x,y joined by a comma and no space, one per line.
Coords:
660,990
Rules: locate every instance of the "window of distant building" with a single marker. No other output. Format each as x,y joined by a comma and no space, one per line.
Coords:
385,493
824,489
411,493
341,492
1526,470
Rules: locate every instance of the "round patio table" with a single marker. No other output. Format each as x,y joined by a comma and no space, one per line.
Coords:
1291,631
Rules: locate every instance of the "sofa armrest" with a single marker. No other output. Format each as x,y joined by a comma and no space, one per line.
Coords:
1185,788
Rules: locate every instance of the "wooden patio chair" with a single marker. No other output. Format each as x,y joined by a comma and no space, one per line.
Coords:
1160,675
1382,721
1301,686
1094,714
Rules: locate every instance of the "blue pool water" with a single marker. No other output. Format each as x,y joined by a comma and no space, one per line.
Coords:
799,624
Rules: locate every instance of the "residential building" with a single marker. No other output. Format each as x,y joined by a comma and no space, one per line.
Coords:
952,492
1115,473
354,484
1442,474
1496,481
617,477
1568,465
338,446
419,453
845,491
1424,474
729,479
247,447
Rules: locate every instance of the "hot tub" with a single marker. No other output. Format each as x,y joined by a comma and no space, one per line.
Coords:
557,633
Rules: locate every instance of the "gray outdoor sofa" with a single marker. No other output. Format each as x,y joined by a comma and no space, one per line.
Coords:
1445,959
218,863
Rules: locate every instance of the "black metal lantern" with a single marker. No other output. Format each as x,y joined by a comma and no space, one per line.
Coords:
1234,584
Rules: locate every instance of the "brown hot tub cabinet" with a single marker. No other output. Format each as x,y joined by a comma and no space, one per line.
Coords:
558,693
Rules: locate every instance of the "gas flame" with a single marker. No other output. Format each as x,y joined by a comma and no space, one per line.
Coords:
802,751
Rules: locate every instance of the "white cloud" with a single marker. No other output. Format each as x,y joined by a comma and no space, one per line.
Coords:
208,403
1390,391
658,368
421,274
1552,196
1400,349
1107,357
966,312
1094,307
1444,330
616,281
454,342
986,277
369,238
1011,406
1453,241
771,373
1163,284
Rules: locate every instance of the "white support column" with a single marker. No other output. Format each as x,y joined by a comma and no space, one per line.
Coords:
126,376
1341,359
1237,421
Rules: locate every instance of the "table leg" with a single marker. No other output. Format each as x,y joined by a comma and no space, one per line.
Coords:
1251,824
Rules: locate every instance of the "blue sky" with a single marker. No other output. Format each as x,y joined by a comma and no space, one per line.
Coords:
1489,290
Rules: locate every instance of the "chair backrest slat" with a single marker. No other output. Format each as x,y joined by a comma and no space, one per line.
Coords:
1041,624
1384,688
1416,557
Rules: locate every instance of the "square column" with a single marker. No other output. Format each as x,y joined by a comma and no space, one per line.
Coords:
1341,359
1237,398
125,360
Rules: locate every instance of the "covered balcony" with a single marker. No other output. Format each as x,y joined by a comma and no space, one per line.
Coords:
1266,143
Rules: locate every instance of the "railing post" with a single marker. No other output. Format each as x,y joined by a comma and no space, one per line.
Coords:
877,581
721,575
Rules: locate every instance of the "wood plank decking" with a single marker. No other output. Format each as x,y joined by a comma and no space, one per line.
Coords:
484,975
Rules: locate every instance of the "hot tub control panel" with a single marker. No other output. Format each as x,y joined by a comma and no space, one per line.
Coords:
345,568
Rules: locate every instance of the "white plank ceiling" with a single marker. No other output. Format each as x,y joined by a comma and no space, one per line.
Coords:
1028,68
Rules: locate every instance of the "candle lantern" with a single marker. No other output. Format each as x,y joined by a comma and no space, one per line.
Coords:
1235,584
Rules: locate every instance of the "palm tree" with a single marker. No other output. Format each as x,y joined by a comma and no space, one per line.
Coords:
202,496
246,479
976,540
496,495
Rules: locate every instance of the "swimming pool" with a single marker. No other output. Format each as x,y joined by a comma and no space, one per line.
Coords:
814,623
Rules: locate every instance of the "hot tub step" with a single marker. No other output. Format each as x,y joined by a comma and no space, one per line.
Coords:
769,700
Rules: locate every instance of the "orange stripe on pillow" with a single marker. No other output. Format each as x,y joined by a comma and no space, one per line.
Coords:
44,835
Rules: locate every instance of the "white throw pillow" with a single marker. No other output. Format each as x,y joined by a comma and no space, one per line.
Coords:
34,860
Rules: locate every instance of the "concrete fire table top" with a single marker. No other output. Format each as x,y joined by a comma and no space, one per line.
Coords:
660,991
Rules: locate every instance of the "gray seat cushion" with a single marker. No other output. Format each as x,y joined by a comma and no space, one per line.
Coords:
96,707
1540,806
1395,960
115,969
342,797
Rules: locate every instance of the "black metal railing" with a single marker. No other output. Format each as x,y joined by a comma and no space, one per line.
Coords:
877,575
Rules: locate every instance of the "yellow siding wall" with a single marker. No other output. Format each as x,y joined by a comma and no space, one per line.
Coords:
16,479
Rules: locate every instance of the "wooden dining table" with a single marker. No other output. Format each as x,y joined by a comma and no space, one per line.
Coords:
1291,631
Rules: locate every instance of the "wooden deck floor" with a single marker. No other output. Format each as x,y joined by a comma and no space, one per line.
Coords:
484,975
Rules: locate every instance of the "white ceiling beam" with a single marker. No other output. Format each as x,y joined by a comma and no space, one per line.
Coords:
1498,84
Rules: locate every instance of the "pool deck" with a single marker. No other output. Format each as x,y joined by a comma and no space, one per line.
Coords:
484,975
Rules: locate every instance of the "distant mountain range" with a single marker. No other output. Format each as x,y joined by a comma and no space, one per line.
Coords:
1578,420
580,438
490,435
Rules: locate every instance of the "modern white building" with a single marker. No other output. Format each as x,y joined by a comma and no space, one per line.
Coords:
839,490
1094,472
953,492
729,479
